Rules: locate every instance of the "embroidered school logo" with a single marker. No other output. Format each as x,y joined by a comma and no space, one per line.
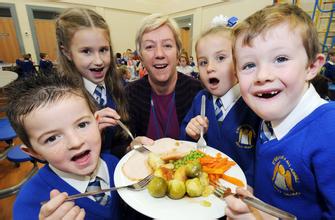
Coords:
284,177
246,136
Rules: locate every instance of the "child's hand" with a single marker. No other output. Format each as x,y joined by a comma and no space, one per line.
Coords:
194,126
237,209
106,117
140,140
56,208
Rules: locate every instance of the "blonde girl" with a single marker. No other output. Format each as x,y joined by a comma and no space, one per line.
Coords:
85,52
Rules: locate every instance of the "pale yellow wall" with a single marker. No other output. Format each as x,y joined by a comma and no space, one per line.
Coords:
124,23
202,16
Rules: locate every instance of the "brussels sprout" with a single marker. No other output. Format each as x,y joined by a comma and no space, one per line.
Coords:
176,189
193,169
207,191
180,174
194,187
154,161
157,187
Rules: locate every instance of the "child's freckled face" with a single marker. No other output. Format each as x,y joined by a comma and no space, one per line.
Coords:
273,72
65,133
215,63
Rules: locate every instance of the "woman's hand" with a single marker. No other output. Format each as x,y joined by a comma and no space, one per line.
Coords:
57,208
106,117
140,140
194,126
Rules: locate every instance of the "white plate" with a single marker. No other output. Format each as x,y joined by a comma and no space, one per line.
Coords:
166,208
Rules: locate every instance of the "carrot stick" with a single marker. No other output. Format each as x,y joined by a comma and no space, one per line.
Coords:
232,180
216,166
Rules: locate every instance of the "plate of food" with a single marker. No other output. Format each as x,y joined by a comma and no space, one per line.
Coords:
176,163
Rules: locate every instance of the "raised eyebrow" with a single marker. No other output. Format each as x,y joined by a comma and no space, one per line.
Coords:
41,137
148,41
225,52
85,48
167,40
48,133
248,58
202,58
104,48
85,117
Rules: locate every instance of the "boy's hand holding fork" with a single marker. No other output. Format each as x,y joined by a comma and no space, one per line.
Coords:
57,208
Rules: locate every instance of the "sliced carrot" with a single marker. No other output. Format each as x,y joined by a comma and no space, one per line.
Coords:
233,180
216,166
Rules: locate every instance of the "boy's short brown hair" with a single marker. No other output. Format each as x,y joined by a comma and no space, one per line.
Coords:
28,94
263,20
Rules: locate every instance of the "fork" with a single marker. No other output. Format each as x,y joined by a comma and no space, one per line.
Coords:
221,192
124,127
201,144
137,146
140,185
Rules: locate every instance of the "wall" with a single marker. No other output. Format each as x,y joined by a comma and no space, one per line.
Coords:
124,23
202,16
123,26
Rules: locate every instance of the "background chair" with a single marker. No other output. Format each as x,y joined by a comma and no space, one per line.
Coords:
7,134
13,154
16,155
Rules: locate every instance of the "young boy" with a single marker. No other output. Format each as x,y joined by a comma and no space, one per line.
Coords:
45,64
231,127
275,60
328,70
53,116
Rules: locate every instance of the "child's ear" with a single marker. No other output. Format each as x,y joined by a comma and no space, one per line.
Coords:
314,68
66,53
30,151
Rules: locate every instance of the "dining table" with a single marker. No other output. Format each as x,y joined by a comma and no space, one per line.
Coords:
7,77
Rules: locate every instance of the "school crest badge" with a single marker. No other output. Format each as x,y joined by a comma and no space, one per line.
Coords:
246,136
284,177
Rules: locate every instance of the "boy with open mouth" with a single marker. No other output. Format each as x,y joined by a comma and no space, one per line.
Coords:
54,118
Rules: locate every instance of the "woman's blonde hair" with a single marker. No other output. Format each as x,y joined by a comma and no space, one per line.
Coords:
153,22
67,24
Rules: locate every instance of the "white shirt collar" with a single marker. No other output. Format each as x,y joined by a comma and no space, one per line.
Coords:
90,87
80,183
330,62
229,98
308,103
